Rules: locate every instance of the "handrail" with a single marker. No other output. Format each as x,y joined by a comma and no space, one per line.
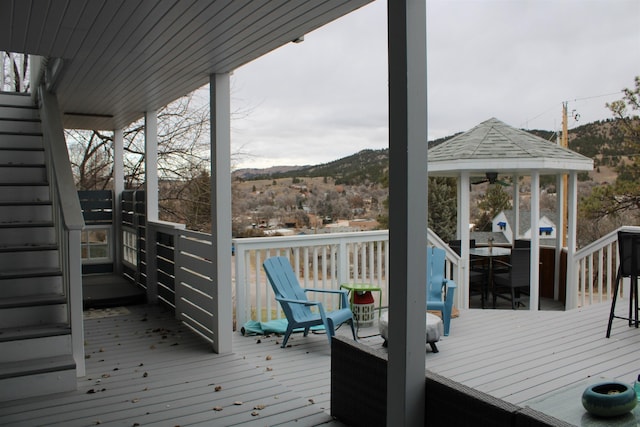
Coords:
56,149
603,241
595,268
67,215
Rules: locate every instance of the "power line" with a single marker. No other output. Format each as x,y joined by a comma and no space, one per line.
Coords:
526,122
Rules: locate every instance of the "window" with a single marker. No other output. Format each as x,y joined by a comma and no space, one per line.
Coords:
130,247
95,245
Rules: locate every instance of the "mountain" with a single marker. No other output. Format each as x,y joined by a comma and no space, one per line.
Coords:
601,141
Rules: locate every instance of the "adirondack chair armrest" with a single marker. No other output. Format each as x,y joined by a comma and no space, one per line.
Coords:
297,301
342,292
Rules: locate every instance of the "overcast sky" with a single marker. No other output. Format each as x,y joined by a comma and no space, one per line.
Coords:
516,60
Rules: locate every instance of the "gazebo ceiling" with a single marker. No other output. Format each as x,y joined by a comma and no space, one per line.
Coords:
122,58
493,146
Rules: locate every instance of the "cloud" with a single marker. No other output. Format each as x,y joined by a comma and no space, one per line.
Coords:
517,61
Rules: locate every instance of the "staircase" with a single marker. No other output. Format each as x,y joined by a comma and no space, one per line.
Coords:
36,354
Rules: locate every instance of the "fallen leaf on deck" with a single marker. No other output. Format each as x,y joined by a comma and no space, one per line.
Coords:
255,413
237,403
218,388
259,407
217,408
268,357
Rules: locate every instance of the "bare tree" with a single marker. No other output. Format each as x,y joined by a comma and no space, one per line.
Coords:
14,73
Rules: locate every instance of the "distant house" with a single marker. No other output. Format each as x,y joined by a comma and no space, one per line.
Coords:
504,223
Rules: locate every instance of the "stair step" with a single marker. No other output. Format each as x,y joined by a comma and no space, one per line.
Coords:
30,273
25,203
28,248
29,212
16,99
29,224
25,184
33,332
19,173
23,141
19,112
26,261
56,342
23,317
35,193
16,236
32,301
37,377
28,286
20,127
36,366
22,156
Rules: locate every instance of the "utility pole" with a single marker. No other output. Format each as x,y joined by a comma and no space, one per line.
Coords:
564,143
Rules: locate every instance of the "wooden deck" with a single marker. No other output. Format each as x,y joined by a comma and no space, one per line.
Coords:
143,368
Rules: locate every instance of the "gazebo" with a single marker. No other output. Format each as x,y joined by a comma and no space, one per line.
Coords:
494,148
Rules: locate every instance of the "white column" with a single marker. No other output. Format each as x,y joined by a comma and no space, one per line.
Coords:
464,234
220,100
151,163
534,275
151,195
560,195
572,279
408,211
118,188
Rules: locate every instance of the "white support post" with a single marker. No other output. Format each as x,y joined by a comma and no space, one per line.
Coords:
559,235
464,215
534,273
408,211
74,269
220,100
151,195
572,279
151,164
118,188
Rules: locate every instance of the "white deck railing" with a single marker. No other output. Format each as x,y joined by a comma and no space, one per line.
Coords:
323,261
326,261
595,267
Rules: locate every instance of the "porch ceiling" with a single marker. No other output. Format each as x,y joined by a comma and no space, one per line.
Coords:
122,58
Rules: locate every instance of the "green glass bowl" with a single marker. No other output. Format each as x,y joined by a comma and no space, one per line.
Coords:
609,399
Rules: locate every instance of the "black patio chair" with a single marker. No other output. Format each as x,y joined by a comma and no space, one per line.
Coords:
478,272
511,284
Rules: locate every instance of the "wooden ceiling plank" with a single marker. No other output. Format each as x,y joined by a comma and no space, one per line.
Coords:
37,18
98,42
117,64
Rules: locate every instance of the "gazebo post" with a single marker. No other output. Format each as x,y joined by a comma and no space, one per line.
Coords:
560,234
463,234
516,208
534,271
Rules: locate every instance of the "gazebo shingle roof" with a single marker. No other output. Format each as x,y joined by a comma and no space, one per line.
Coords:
495,146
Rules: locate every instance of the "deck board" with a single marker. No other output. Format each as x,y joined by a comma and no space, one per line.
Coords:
519,356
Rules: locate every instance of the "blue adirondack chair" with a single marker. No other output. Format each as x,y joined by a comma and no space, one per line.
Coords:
296,305
437,284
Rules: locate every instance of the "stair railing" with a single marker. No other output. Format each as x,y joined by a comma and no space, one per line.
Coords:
67,216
